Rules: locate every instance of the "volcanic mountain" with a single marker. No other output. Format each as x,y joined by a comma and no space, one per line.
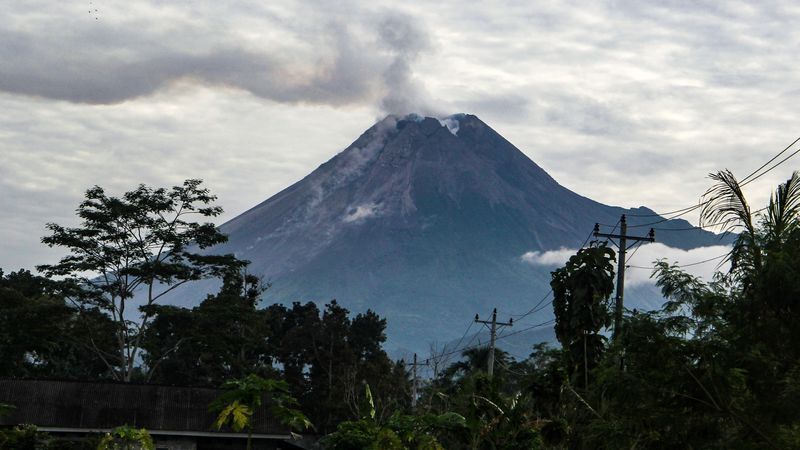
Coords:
423,220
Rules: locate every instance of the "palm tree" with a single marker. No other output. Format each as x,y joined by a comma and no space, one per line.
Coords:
781,220
724,204
475,359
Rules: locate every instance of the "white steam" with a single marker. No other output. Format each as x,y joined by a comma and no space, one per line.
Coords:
362,212
451,123
405,40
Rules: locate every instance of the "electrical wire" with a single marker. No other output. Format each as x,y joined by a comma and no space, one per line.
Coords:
770,169
591,233
508,369
683,265
703,227
615,225
540,304
498,338
534,309
743,182
638,246
668,213
699,205
469,327
772,159
545,323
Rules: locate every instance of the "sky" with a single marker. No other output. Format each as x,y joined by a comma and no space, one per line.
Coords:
628,103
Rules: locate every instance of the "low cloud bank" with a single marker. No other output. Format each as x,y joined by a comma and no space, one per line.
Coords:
639,262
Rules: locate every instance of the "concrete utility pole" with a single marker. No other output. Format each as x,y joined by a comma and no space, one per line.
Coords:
414,375
623,248
492,325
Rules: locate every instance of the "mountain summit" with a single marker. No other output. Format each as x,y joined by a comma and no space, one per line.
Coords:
423,220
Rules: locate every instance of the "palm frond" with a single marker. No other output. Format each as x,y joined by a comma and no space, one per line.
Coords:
784,208
724,204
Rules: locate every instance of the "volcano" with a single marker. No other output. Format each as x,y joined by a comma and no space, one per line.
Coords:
424,221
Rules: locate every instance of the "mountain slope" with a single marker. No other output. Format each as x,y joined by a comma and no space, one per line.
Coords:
423,220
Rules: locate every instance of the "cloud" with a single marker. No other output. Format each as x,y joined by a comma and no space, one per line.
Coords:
552,258
640,262
366,59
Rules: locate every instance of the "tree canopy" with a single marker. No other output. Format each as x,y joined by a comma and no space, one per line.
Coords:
143,243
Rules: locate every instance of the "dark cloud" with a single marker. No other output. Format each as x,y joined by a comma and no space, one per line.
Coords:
346,69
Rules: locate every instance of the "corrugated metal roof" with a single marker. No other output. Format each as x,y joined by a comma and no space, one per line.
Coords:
77,404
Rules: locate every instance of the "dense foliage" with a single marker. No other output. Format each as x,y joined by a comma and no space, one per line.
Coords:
325,356
718,365
43,334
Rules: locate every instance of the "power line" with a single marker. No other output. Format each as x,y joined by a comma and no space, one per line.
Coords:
545,323
638,246
770,169
743,182
458,350
686,265
703,227
502,336
536,308
772,159
510,370
587,239
668,213
699,205
540,304
465,333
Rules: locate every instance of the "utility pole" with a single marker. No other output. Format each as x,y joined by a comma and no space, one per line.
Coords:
492,325
414,375
623,248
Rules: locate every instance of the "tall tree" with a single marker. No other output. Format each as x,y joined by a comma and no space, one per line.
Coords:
580,299
144,243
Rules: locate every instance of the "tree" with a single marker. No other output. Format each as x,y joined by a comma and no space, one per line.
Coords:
225,337
42,335
143,243
580,300
244,397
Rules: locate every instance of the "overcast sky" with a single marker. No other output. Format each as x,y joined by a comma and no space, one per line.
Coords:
627,103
